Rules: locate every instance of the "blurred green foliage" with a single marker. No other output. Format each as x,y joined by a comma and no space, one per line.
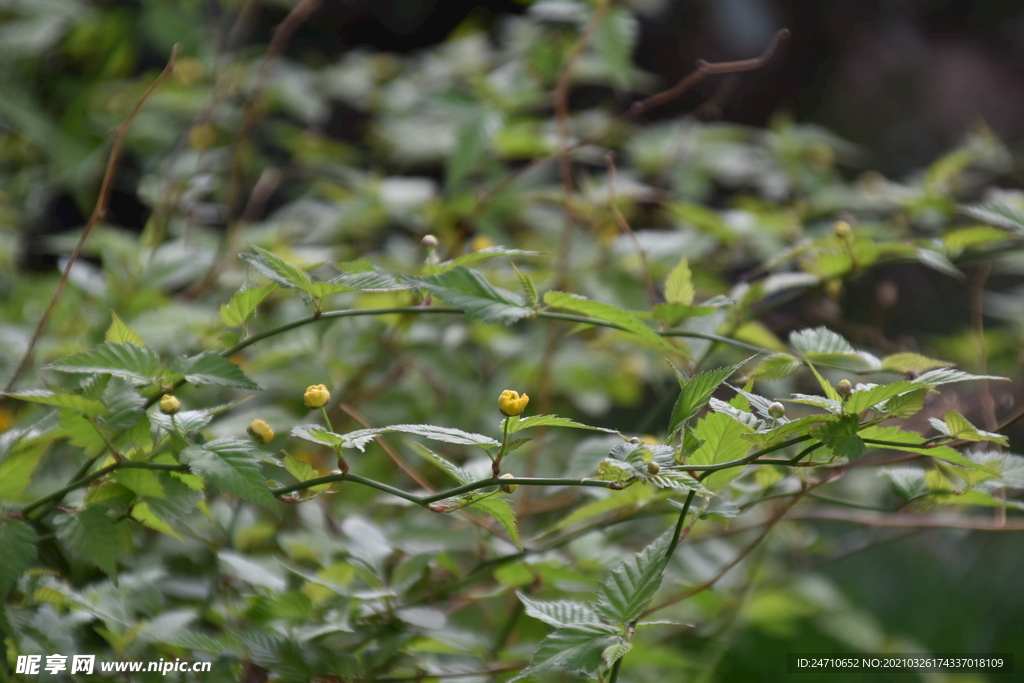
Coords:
326,174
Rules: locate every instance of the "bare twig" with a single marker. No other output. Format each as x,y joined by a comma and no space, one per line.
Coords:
106,187
868,518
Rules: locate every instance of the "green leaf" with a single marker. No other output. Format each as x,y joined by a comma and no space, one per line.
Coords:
141,512
232,465
144,483
90,534
243,304
360,438
1002,214
126,407
629,588
460,475
841,437
576,648
675,312
723,442
614,41
558,613
613,653
826,387
210,368
470,145
936,260
471,293
303,471
912,442
120,333
906,405
363,276
776,366
500,508
186,420
679,287
959,428
608,313
17,467
551,421
276,269
487,253
79,404
695,392
911,362
861,400
909,481
121,360
825,346
80,431
630,499
18,548
527,284
950,375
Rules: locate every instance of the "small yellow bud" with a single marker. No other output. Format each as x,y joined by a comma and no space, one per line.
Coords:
844,388
481,242
429,241
508,488
316,396
511,403
260,431
777,410
169,405
843,230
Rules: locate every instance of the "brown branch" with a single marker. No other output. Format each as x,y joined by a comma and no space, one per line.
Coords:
880,519
652,295
703,69
106,187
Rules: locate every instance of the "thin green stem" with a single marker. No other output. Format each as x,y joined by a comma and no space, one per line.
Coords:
87,479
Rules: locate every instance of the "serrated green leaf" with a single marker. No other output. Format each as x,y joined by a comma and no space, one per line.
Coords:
841,437
975,497
373,280
906,405
826,387
723,442
575,648
142,513
233,466
144,483
957,241
528,287
551,421
186,420
1002,214
695,392
911,362
120,333
912,442
820,341
80,431
675,312
460,475
360,438
614,653
120,360
951,375
500,508
124,405
79,404
243,304
909,481
483,254
303,471
18,548
470,292
859,401
629,499
558,613
960,428
936,260
210,368
276,269
629,588
90,534
679,286
608,313
776,366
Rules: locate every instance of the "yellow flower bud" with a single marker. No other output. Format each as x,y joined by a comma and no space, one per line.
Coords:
843,230
481,242
511,403
260,431
169,405
508,488
316,396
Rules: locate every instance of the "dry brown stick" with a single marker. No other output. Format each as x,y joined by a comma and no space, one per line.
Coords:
703,69
881,519
652,295
106,187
